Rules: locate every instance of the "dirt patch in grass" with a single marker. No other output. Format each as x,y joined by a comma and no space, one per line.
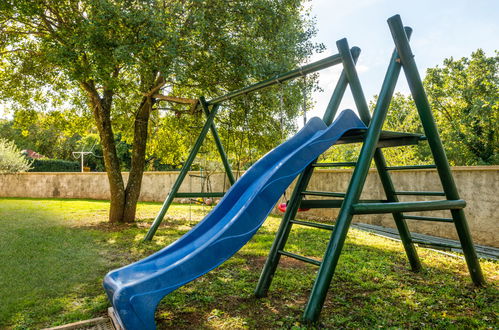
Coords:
257,262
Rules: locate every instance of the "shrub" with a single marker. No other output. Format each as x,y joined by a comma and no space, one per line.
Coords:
11,159
54,165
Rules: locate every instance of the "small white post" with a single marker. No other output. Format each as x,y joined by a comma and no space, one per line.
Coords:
82,155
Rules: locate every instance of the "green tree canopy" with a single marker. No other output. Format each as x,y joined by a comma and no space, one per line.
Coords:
109,58
464,97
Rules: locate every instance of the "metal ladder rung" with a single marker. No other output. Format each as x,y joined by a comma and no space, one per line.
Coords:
410,167
323,193
392,207
421,218
312,224
299,257
420,193
197,176
338,164
331,203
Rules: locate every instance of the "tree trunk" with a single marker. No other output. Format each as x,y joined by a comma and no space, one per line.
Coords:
123,201
141,124
101,108
134,183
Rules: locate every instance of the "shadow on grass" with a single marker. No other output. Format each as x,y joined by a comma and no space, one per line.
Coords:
55,266
373,287
53,262
44,267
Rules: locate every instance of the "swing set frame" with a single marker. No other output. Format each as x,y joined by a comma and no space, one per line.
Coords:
373,140
210,109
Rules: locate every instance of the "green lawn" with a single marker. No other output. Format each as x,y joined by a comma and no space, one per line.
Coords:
55,253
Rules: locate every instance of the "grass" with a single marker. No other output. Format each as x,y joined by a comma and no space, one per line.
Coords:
55,253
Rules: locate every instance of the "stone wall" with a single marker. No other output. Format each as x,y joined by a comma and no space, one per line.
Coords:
479,186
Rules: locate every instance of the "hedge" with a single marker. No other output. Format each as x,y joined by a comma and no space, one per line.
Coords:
54,165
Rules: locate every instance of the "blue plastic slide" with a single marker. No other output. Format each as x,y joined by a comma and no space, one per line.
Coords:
136,289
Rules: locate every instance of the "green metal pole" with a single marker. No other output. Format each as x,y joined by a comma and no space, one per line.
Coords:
301,185
437,149
333,251
182,174
379,158
218,142
418,206
301,71
353,80
339,91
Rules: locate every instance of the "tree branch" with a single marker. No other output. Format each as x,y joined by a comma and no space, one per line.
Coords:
16,50
175,99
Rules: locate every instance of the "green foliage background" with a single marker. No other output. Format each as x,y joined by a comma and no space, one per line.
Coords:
211,55
53,51
464,97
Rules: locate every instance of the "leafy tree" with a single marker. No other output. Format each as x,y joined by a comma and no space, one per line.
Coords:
464,95
11,159
117,55
54,134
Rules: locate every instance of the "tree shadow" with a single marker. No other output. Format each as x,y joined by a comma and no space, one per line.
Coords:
373,287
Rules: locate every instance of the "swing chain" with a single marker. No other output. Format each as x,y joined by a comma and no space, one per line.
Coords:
304,94
281,109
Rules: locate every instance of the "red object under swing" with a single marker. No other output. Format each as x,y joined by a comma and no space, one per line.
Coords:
282,208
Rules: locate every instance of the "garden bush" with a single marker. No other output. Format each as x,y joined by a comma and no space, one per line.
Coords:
54,165
11,159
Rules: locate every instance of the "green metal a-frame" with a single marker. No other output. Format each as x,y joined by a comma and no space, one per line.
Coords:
210,109
209,125
373,140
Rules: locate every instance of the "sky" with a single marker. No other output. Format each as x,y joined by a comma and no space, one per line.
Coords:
441,29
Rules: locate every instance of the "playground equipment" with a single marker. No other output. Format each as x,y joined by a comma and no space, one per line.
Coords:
136,289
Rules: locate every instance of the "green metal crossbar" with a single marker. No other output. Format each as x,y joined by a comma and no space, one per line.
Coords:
301,71
410,167
299,257
330,203
435,244
313,224
422,218
323,193
373,139
338,164
376,208
419,193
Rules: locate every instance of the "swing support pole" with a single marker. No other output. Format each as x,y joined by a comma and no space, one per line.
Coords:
183,173
301,71
218,142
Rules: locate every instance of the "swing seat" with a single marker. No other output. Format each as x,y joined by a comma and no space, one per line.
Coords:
282,208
